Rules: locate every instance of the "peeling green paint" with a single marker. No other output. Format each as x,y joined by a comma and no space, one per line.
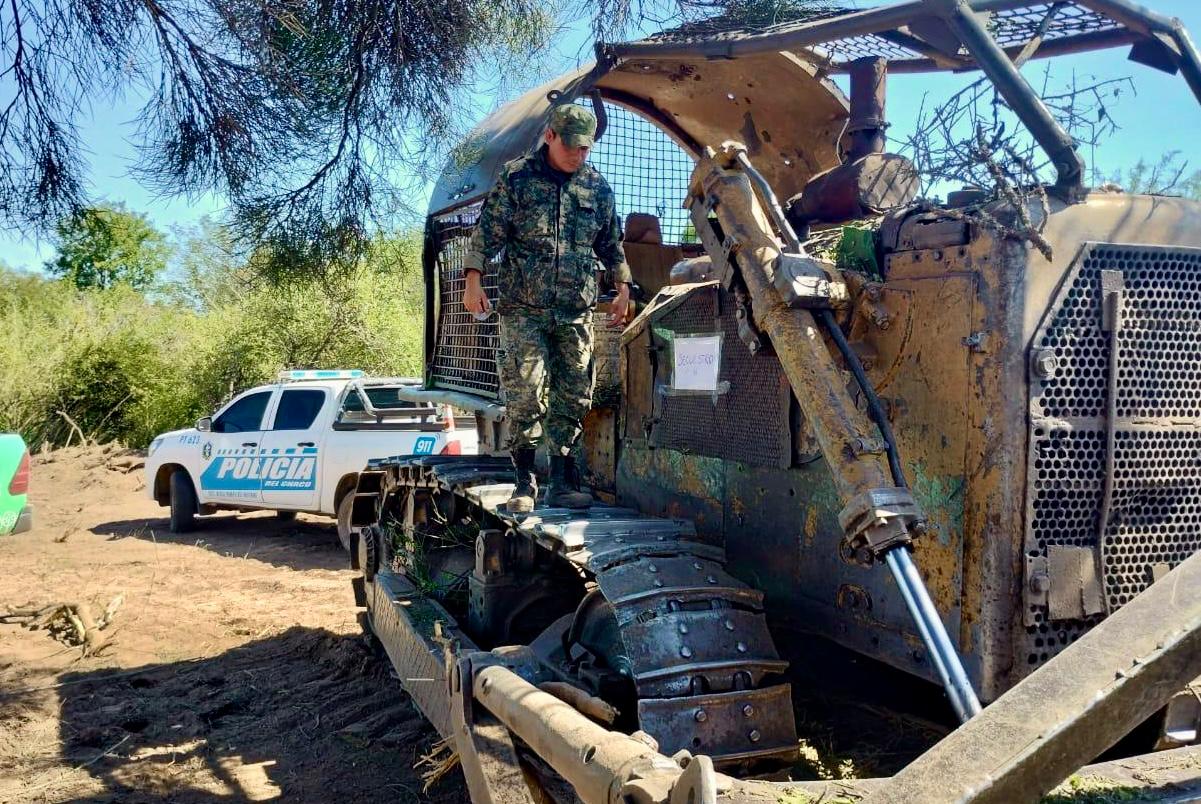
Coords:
941,498
694,475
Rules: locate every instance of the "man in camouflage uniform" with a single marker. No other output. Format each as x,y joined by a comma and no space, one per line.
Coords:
553,215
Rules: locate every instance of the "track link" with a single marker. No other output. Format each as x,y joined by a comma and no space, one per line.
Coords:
701,658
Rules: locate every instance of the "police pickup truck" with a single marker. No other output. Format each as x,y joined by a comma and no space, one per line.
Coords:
296,446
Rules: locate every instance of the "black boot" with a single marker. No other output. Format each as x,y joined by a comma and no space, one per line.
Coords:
564,488
526,490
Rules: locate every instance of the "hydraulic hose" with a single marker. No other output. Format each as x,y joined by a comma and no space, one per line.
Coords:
874,408
917,598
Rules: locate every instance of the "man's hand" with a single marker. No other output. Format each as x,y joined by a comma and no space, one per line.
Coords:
474,297
621,306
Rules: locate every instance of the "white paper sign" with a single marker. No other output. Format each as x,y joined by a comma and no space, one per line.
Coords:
697,362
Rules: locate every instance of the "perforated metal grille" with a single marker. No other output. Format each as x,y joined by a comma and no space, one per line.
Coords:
1155,508
646,169
465,351
1160,334
749,422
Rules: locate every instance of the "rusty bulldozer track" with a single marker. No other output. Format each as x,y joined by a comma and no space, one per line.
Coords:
693,640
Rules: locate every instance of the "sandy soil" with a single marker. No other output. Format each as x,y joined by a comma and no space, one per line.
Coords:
233,670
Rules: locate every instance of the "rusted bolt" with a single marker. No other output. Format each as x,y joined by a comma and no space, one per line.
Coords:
748,710
882,322
873,292
699,716
729,625
741,647
686,652
1040,584
1045,363
920,527
754,735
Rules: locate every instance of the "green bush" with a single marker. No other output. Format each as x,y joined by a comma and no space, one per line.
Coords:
117,364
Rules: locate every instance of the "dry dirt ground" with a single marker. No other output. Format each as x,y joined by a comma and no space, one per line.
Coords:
233,668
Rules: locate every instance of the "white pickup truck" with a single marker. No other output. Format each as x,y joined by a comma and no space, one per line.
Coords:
297,445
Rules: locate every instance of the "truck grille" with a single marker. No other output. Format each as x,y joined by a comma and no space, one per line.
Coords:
1155,509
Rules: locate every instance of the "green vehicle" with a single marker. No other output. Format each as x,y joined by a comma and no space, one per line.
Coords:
16,515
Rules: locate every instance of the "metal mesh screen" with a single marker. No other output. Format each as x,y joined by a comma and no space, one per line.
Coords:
1155,509
647,171
1017,26
748,423
1012,27
846,50
465,351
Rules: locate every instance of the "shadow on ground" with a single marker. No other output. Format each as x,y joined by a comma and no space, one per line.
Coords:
300,544
305,716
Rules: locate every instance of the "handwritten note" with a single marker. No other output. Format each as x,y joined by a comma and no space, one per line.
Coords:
697,362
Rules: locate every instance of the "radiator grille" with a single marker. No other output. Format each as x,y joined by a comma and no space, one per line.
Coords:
749,423
1155,509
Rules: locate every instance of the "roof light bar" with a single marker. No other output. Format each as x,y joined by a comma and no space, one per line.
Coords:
300,375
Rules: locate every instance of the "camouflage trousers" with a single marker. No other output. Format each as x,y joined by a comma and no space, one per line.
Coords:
545,366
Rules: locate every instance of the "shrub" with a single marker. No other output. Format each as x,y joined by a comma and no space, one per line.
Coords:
125,366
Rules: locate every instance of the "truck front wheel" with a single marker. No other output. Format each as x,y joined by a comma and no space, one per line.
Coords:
183,502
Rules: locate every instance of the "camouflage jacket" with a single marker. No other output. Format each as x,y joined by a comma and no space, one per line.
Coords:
550,231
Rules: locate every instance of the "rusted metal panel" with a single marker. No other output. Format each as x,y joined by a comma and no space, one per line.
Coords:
598,450
1074,583
664,482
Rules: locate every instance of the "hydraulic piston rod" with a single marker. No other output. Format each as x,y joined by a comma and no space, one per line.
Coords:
934,634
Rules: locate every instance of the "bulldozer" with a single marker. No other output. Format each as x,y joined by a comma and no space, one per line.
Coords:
956,438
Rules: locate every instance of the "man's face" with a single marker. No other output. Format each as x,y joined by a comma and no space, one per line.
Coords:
561,156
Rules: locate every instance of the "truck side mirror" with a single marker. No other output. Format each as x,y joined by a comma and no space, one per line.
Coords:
205,424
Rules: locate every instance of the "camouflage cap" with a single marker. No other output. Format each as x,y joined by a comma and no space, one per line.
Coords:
575,124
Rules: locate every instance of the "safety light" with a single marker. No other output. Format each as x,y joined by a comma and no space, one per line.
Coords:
298,375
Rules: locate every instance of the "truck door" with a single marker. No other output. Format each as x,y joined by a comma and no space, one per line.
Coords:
291,450
230,451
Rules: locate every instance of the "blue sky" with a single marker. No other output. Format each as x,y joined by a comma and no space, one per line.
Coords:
1159,115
